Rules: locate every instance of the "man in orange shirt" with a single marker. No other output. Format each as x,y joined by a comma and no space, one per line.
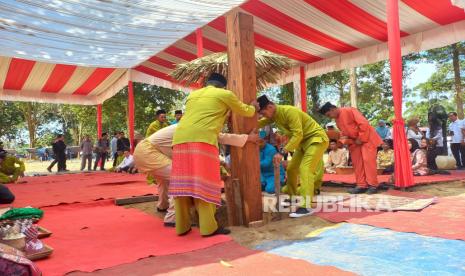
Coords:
363,141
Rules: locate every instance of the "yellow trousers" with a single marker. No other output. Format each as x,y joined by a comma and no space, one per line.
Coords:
306,164
206,211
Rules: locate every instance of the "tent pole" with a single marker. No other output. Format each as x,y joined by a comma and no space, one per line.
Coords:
402,166
303,89
99,121
131,114
199,38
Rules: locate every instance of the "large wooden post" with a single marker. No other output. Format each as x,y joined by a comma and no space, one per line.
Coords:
242,81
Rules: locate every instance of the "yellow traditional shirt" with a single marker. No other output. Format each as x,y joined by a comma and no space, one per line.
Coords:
206,111
8,167
385,158
301,129
154,127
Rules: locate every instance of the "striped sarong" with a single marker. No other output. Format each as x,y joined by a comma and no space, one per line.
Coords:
196,172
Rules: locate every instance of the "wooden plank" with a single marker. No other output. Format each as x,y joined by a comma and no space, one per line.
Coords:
242,81
233,220
135,199
277,188
239,211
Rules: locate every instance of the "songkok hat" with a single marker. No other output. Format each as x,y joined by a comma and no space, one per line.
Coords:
326,107
263,101
161,111
217,79
178,112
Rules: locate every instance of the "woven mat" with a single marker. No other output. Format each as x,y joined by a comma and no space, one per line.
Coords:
383,202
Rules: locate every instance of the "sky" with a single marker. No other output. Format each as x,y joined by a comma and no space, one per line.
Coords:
422,72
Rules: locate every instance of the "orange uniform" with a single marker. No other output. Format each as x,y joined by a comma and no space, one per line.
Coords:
354,125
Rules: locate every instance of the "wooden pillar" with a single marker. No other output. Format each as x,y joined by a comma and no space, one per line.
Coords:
242,81
303,89
131,114
99,121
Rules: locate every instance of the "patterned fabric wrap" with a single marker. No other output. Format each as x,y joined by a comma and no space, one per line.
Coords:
13,262
33,244
195,172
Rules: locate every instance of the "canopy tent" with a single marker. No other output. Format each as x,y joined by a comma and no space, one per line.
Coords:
69,51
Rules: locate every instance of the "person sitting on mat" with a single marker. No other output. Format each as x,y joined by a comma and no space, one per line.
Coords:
337,157
385,157
127,164
418,156
11,168
267,153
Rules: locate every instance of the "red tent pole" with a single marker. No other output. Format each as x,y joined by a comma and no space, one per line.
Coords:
199,38
99,121
402,166
303,89
131,114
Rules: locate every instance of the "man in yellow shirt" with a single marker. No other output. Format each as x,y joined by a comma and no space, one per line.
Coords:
195,174
308,141
9,172
153,156
158,124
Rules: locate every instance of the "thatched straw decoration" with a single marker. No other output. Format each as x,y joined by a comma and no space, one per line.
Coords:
269,67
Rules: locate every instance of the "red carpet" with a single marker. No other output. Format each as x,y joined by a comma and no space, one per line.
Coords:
446,219
52,190
95,235
244,261
419,180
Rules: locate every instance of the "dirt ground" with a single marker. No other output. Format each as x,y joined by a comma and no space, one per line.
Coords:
296,229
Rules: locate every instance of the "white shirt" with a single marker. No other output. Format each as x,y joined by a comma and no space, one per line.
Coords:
438,137
457,127
127,162
163,139
411,134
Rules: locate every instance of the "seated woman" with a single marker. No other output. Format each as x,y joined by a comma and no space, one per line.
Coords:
11,168
385,159
267,152
418,156
337,157
127,164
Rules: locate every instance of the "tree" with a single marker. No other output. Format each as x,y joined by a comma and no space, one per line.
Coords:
353,87
35,115
10,120
450,57
147,98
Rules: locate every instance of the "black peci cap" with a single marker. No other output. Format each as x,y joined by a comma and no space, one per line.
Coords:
326,107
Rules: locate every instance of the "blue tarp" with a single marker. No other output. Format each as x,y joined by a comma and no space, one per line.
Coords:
368,250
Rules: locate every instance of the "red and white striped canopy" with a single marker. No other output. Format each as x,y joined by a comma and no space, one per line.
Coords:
322,35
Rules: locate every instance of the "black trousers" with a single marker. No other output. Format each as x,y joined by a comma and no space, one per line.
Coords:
6,196
61,162
431,155
115,156
101,156
459,153
53,163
